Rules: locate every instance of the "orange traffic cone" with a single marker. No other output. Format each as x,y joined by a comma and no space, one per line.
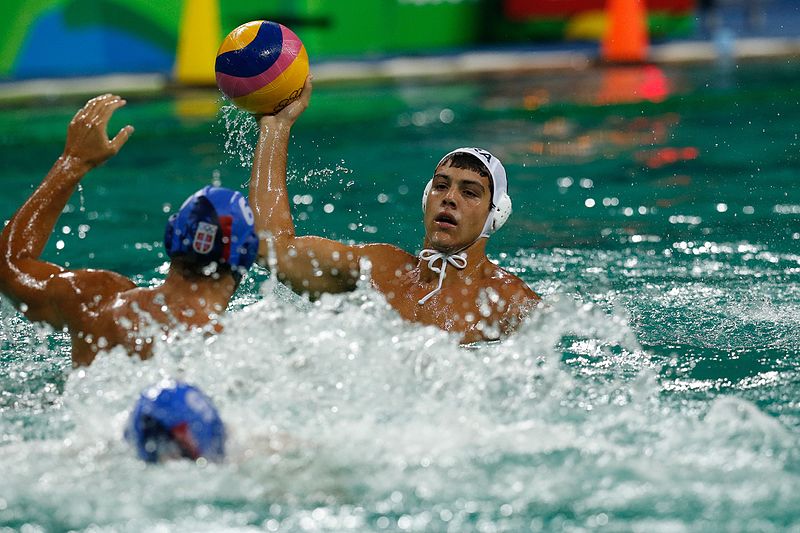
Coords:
625,39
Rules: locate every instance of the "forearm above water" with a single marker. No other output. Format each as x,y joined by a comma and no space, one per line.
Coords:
315,265
269,198
30,228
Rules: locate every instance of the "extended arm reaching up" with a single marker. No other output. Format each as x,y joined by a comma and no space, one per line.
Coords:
24,277
308,264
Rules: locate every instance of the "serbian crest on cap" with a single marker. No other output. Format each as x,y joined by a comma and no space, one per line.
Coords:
204,237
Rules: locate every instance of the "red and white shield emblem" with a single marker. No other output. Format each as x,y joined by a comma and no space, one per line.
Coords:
204,237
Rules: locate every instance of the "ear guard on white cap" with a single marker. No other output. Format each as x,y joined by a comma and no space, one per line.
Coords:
498,215
501,202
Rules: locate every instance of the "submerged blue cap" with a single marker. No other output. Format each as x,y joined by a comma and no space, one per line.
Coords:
215,224
173,419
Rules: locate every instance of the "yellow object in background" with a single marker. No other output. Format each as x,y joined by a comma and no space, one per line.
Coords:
587,26
198,39
199,104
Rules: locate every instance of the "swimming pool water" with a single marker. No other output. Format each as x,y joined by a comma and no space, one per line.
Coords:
656,209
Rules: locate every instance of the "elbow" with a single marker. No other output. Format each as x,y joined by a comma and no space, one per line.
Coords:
314,282
14,247
313,289
6,255
7,271
272,250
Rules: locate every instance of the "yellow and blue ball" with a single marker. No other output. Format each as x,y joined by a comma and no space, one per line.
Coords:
261,66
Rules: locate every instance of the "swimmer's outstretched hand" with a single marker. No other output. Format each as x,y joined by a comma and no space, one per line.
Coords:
87,137
289,114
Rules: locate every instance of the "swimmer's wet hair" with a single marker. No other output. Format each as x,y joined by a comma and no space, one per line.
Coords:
193,269
470,162
467,162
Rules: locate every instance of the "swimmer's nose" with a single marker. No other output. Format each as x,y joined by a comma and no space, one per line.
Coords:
449,198
448,202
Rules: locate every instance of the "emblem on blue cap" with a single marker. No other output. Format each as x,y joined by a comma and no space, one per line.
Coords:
173,419
203,241
215,224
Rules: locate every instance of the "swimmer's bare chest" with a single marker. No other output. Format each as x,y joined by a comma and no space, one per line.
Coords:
456,308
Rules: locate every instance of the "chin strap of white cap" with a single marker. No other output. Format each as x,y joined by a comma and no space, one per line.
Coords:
458,260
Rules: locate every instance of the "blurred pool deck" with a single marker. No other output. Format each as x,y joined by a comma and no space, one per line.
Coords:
735,30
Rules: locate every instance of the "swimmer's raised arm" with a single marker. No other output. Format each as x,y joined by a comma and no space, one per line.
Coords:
308,264
41,286
101,309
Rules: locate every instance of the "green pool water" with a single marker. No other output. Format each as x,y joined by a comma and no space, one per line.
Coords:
656,210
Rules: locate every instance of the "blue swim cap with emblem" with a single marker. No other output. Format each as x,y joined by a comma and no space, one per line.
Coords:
215,224
172,420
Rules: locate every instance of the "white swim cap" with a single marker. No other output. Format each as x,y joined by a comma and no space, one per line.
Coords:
501,202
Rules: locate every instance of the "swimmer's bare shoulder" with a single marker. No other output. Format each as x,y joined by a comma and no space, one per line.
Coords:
77,300
511,285
388,264
386,257
66,297
515,299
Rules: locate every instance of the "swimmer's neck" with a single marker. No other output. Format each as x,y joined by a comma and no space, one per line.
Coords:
199,292
476,261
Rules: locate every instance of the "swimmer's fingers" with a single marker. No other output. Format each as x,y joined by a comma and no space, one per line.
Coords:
305,94
121,138
87,116
87,113
87,137
104,115
107,106
308,86
82,116
292,112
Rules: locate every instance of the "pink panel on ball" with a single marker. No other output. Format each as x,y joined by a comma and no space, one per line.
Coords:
234,86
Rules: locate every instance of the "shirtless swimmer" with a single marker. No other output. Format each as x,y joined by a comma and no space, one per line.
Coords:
211,242
452,284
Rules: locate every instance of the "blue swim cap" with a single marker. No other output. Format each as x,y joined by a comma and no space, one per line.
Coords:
215,224
172,419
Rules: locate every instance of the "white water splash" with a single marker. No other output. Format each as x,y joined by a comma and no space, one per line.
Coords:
341,416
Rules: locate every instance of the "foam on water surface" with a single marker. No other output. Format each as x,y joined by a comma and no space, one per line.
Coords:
342,417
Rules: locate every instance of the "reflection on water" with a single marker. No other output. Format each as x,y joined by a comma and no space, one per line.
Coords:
655,391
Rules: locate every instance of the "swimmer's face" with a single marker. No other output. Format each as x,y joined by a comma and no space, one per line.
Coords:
457,207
